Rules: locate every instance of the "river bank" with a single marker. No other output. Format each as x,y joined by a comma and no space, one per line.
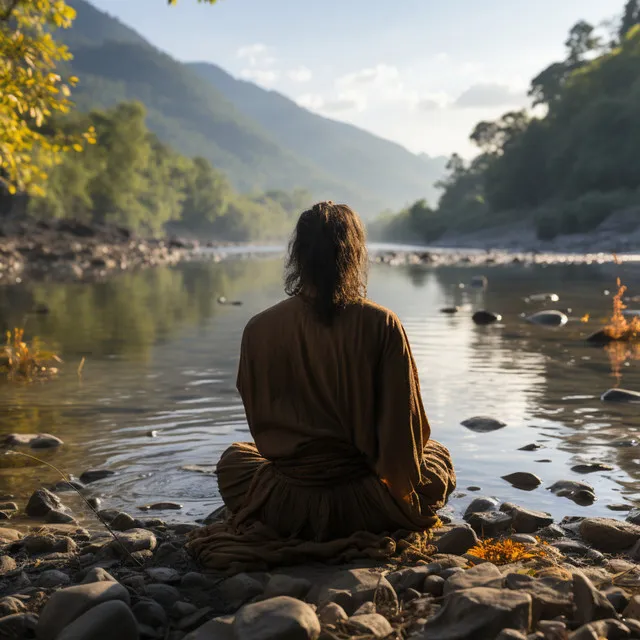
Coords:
577,580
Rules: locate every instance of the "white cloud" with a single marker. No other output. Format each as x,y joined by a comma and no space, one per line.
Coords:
261,76
252,51
380,74
489,94
300,74
340,103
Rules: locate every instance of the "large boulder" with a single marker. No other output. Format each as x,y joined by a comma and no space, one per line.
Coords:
281,618
66,605
477,613
100,623
609,535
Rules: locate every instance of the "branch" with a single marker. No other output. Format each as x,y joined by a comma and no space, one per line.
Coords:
6,14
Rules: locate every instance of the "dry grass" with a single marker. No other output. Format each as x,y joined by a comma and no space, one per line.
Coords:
25,362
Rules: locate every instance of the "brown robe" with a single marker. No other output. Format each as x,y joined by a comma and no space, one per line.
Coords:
342,455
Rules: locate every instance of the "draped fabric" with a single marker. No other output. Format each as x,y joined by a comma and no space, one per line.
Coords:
342,459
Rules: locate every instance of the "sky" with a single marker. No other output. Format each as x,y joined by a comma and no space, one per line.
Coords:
419,72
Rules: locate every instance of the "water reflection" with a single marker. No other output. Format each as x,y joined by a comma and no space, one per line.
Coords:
158,388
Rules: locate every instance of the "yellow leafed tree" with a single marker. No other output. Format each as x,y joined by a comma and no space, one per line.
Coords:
31,90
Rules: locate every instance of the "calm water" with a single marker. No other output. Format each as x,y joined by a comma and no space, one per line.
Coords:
161,356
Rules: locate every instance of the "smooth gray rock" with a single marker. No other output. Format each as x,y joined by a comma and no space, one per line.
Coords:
523,480
35,545
165,575
609,535
484,317
33,440
281,618
580,492
620,395
523,538
105,621
18,626
133,540
149,612
240,589
332,614
590,604
66,605
53,578
412,577
98,574
481,505
490,524
550,318
94,475
483,424
165,594
456,541
216,629
551,597
526,520
283,585
477,613
352,588
123,522
182,609
373,625
618,598
41,502
433,586
482,575
59,517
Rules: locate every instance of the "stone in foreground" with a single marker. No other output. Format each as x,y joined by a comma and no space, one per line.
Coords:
590,604
352,588
67,605
456,541
373,625
102,623
609,535
41,502
479,613
482,575
281,618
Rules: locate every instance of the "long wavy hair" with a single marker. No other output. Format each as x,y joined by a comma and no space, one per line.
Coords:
327,259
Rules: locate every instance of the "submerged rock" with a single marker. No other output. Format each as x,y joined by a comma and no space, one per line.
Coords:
161,506
548,318
580,492
531,447
450,310
543,297
483,424
523,480
591,467
526,520
479,282
620,395
33,440
486,317
95,474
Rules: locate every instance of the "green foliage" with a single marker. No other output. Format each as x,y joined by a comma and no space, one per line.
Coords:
132,179
569,169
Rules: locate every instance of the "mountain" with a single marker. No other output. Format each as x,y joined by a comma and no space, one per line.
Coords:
382,167
259,138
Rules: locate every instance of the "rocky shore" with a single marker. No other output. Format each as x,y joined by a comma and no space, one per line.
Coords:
70,250
504,573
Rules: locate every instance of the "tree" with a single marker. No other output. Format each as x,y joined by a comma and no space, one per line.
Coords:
546,87
630,17
580,42
31,90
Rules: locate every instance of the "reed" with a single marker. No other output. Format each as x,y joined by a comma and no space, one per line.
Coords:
21,361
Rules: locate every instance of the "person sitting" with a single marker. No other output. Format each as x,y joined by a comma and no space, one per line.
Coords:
342,455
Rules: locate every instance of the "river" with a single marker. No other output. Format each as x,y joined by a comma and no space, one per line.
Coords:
157,390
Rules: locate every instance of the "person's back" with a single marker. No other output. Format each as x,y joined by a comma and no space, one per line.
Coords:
332,398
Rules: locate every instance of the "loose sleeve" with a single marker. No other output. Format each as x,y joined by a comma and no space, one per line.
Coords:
402,425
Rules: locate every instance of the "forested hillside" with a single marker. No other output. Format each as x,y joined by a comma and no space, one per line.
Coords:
254,136
566,164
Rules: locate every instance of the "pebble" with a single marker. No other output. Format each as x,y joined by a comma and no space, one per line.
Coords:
66,605
182,609
134,540
98,574
332,614
94,475
41,502
240,588
123,522
279,618
161,506
433,586
531,447
35,545
163,574
523,538
483,424
101,621
482,575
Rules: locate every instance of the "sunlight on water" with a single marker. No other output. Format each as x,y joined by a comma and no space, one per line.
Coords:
157,391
